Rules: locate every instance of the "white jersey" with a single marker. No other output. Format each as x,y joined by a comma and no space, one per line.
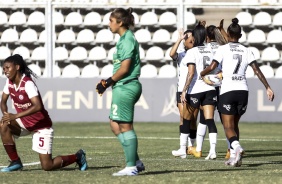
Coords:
201,56
182,71
234,59
214,46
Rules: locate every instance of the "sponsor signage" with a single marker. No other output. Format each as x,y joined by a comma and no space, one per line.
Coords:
76,100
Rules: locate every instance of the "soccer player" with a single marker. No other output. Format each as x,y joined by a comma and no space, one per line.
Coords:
214,39
126,89
234,59
198,92
30,118
222,38
187,40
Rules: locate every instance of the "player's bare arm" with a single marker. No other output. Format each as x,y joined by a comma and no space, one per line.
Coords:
181,36
210,68
190,75
120,73
4,99
36,107
4,107
222,31
262,78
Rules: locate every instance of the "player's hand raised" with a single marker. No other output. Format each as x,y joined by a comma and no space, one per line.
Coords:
270,94
220,27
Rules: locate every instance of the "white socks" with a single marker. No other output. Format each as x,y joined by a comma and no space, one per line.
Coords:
191,141
232,153
183,141
213,140
235,145
201,132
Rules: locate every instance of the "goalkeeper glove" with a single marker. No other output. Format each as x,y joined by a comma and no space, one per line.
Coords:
103,85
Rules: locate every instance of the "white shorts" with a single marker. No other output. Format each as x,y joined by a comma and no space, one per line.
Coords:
42,140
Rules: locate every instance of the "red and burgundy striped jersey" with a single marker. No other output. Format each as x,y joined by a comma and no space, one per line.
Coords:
21,101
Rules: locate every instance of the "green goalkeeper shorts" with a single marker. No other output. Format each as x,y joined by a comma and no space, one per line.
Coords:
124,98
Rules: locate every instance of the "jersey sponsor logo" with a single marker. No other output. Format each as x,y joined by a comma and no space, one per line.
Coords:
214,45
169,106
194,100
232,45
22,88
116,61
238,78
234,48
227,107
22,106
203,51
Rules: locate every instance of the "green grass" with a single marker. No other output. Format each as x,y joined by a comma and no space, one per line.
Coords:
261,164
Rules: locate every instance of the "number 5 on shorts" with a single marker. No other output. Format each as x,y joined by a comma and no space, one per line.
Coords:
41,141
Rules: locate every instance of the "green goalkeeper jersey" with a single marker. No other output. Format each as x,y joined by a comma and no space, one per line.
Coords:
127,48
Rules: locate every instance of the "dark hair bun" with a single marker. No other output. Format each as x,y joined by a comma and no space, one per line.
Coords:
130,10
235,21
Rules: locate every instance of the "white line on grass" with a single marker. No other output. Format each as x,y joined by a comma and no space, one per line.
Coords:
163,138
27,164
34,163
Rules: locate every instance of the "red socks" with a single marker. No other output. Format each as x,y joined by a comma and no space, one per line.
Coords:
11,151
68,159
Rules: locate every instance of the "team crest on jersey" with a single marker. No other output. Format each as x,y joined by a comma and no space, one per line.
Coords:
227,107
21,97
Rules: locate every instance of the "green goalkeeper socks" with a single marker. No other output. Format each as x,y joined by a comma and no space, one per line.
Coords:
130,145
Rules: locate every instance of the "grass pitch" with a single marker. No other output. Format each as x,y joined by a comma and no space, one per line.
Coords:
262,162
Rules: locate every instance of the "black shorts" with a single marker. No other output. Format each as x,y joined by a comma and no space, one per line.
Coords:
178,95
233,102
217,89
203,98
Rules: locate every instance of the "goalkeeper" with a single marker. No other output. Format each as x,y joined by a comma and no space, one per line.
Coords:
126,89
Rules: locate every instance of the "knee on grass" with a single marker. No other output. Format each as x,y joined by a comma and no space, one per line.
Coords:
47,166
